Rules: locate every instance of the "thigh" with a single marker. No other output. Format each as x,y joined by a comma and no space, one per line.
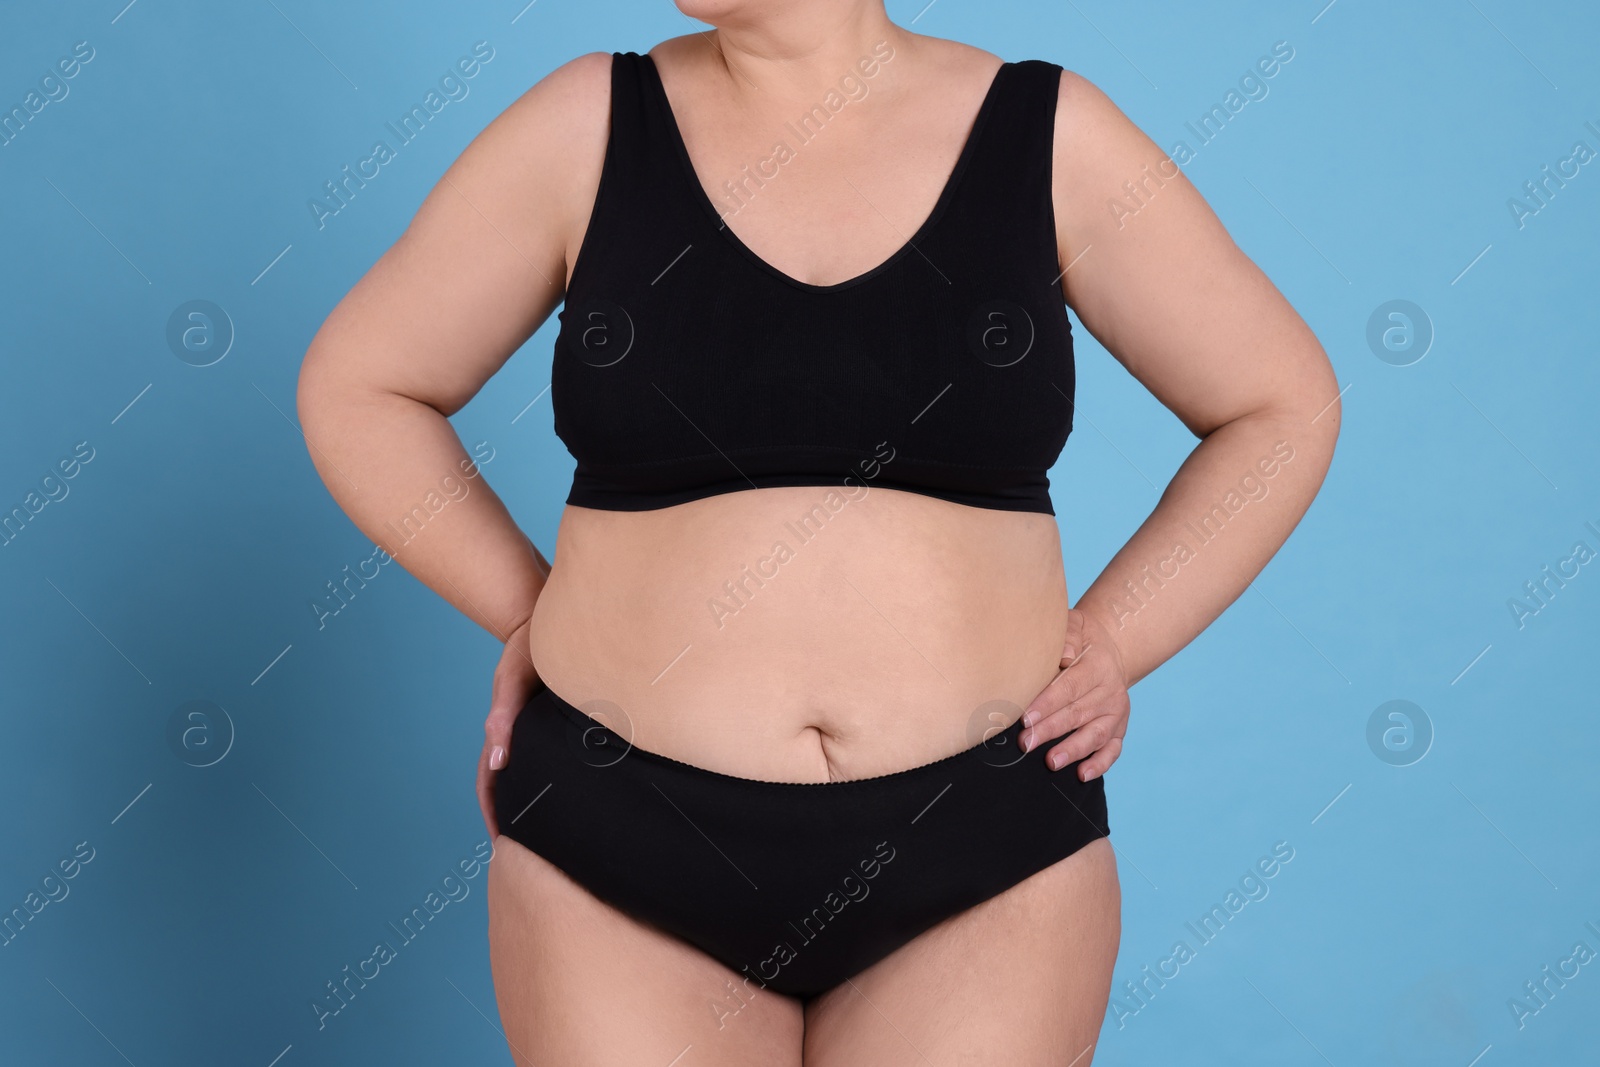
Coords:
1021,979
583,984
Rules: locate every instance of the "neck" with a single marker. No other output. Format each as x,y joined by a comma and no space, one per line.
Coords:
791,50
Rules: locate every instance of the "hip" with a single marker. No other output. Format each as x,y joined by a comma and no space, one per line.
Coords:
737,866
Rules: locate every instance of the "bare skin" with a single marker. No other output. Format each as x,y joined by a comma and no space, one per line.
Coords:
871,650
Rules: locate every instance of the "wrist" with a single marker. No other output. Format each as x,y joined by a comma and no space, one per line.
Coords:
525,611
1104,627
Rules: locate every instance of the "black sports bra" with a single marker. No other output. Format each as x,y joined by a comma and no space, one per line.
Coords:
687,366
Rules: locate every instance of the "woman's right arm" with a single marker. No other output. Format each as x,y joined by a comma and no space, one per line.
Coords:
481,265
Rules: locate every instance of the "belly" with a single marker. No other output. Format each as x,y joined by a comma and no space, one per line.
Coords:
761,634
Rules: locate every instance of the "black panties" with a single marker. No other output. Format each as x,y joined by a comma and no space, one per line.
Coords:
797,886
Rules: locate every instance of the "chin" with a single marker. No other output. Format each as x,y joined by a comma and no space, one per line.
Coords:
715,12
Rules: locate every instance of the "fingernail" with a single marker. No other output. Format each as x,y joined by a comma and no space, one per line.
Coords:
497,758
1027,740
1029,718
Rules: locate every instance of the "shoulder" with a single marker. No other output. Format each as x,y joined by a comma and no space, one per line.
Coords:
1098,150
1087,118
539,160
574,82
570,100
555,123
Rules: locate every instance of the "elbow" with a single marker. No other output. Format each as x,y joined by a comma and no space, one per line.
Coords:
1311,414
1303,414
318,393
1326,405
310,390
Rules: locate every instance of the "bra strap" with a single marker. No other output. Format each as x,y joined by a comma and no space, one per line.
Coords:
1006,193
642,163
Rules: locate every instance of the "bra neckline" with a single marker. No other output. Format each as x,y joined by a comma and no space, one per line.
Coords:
946,193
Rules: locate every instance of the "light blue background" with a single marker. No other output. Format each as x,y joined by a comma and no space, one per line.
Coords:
180,566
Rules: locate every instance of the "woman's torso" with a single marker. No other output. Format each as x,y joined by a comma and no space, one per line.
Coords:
790,633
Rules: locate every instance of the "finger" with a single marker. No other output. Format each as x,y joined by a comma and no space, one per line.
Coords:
1072,647
496,742
509,697
1104,695
485,787
1088,738
1086,646
1101,761
496,751
1064,688
1063,721
513,684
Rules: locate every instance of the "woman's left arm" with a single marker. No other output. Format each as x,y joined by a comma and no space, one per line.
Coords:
1157,280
